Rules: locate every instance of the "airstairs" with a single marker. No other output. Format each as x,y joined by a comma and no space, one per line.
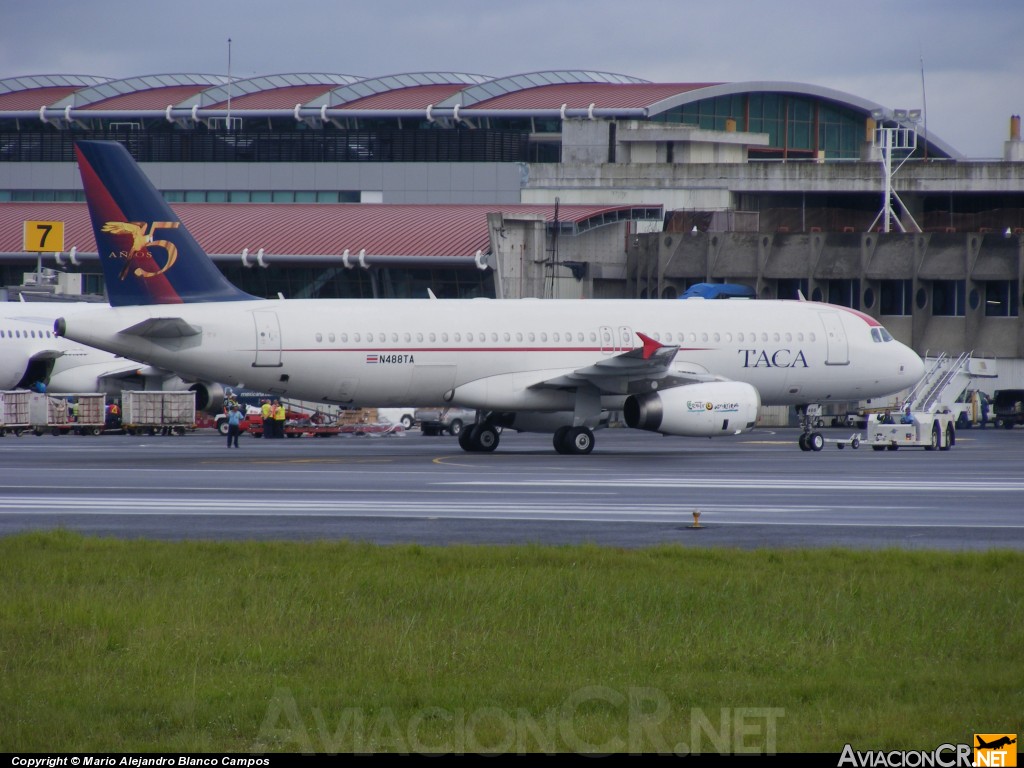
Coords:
942,384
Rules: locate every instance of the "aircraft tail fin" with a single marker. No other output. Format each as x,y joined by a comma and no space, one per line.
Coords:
147,254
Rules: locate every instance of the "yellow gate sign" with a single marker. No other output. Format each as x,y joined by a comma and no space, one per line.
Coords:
44,236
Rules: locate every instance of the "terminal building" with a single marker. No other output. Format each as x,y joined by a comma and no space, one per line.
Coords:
565,183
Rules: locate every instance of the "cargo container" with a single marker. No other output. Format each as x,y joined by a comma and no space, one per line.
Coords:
83,413
14,411
155,412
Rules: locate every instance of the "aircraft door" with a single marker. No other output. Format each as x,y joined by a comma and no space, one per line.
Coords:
838,351
626,338
268,339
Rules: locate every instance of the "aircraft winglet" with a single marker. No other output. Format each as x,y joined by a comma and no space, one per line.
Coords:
650,345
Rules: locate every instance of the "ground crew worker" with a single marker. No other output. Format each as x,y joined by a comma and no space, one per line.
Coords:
235,417
280,415
268,419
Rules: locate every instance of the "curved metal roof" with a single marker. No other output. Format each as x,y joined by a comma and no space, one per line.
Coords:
383,231
782,86
19,93
582,95
402,91
33,82
588,93
494,88
273,91
139,87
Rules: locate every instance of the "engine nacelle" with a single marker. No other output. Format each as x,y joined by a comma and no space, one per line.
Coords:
695,410
209,396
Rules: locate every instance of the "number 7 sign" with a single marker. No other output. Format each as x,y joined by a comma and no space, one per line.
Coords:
44,236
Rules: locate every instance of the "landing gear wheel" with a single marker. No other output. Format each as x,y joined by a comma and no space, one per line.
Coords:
815,441
478,438
802,442
484,438
578,441
558,439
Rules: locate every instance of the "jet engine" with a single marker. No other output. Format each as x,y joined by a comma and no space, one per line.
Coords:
209,396
695,410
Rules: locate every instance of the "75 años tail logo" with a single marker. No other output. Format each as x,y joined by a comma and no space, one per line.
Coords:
140,254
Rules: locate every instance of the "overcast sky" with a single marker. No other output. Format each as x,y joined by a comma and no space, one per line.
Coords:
972,54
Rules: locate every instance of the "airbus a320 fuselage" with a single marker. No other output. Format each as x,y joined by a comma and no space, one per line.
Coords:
683,367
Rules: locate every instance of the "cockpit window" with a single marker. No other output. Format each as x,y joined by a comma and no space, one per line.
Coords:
879,334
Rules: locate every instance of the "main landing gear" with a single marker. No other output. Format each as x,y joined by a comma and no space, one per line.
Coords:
810,416
481,437
574,440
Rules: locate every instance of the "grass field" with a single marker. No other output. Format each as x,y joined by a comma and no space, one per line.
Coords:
112,645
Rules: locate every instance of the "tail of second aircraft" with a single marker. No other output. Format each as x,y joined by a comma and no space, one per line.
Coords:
147,254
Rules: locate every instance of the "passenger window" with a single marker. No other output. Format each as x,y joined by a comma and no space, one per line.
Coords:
444,337
356,337
554,336
457,337
330,337
433,338
419,337
519,336
469,336
369,337
344,338
544,336
532,336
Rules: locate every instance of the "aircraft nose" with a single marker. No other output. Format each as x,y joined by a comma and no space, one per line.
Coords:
911,364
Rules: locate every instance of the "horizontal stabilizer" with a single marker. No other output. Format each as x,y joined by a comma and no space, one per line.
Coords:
46,354
163,328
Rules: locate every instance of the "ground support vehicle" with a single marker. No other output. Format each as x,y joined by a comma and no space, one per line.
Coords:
156,412
367,421
1008,407
14,411
404,416
82,413
438,421
853,441
913,429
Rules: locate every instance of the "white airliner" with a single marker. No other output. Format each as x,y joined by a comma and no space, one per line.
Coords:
679,367
31,353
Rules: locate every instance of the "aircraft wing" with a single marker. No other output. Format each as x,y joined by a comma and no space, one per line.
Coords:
163,328
631,372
